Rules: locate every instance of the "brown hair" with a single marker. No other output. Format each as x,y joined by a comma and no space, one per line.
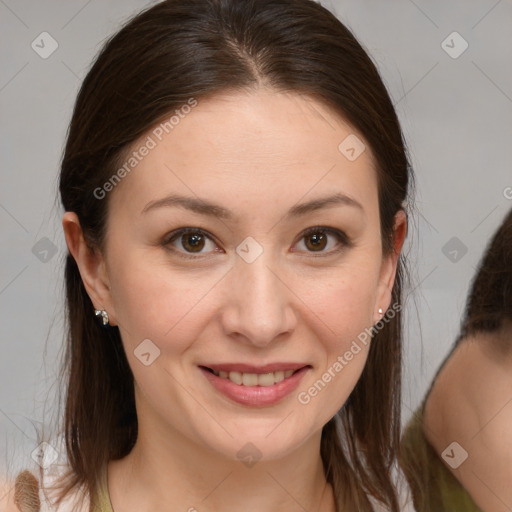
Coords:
490,300
488,306
167,54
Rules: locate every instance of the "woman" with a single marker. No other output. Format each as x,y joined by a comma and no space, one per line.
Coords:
234,183
457,446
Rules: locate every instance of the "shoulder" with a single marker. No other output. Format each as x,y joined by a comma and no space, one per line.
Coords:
468,418
468,392
28,492
7,495
450,398
20,493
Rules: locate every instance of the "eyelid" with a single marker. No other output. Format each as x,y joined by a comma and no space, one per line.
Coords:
344,240
177,233
341,235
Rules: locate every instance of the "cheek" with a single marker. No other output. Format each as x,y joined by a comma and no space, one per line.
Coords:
344,311
344,301
157,304
343,308
162,304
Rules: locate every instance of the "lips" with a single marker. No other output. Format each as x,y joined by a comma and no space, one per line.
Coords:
260,386
249,368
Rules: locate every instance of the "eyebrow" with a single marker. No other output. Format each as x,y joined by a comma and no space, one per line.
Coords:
204,207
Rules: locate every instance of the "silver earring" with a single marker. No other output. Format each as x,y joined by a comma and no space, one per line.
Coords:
381,312
103,314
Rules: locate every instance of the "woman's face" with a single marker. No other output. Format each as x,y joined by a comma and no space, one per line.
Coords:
247,285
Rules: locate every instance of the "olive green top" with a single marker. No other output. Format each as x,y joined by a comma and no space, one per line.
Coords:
104,497
434,488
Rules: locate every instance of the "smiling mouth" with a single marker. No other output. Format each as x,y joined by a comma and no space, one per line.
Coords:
254,379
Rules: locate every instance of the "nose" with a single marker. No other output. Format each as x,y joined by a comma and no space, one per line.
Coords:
259,304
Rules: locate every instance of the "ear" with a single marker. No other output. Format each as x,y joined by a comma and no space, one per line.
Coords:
389,266
91,265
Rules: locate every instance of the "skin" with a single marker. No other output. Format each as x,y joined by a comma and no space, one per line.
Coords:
471,403
257,153
7,494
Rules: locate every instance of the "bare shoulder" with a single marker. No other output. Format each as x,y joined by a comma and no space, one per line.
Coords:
447,403
19,494
26,493
7,496
469,391
468,417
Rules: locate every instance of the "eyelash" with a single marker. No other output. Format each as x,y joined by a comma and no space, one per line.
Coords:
344,241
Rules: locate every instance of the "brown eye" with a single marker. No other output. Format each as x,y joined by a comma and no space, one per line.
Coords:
189,241
193,242
316,239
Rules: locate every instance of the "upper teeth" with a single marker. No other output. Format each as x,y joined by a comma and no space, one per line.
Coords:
254,379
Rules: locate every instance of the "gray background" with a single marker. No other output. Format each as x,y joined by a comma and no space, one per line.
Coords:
455,113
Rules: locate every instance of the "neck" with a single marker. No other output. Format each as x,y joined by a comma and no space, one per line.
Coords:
470,402
167,471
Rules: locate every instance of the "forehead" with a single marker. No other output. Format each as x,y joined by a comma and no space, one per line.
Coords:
252,147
